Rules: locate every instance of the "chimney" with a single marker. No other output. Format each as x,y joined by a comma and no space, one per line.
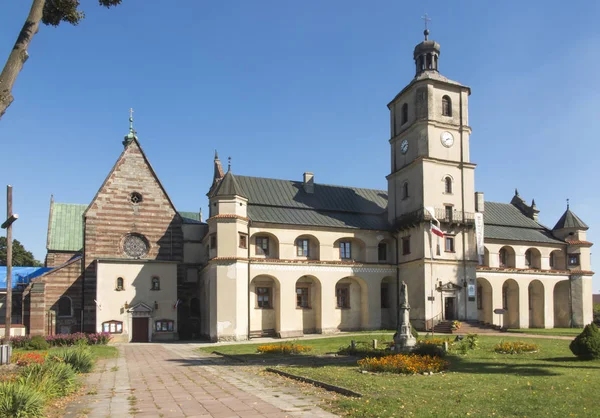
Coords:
309,182
479,202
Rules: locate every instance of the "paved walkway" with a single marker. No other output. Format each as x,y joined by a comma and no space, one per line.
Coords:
171,380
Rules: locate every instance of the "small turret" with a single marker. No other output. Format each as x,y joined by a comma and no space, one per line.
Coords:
530,211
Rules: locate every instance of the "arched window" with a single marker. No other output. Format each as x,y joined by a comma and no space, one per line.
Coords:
503,257
429,62
195,307
405,190
404,113
446,106
448,185
155,283
382,251
64,306
528,258
120,285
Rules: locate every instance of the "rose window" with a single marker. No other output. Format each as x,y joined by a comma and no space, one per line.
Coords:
135,246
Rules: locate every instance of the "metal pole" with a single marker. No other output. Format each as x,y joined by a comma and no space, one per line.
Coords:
8,263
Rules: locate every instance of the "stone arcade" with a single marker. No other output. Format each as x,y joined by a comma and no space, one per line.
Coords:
287,258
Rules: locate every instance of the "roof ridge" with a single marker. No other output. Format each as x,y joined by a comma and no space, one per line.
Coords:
320,184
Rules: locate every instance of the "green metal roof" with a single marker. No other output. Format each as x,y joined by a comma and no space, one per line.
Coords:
66,227
228,186
570,220
190,217
506,222
286,202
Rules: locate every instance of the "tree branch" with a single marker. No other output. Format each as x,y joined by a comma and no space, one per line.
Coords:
18,55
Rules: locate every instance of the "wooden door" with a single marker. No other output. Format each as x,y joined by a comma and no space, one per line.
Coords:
449,308
139,332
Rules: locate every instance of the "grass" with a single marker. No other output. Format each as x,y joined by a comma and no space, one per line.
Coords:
550,382
319,346
565,332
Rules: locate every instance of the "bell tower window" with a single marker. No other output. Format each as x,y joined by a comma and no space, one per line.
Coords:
446,106
404,113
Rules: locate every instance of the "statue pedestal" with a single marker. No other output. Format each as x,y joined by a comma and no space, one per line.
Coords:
404,343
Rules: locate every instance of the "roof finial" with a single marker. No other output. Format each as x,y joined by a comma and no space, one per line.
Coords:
533,203
228,163
216,155
567,203
426,19
516,192
132,134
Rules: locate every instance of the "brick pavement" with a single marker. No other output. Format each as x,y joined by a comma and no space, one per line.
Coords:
171,380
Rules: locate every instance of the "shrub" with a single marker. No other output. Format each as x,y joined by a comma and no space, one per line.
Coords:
427,348
515,347
25,359
587,344
52,379
283,348
100,338
79,358
472,341
364,349
413,331
20,342
37,343
18,400
65,340
404,363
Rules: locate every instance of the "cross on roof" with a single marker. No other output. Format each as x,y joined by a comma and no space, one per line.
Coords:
426,19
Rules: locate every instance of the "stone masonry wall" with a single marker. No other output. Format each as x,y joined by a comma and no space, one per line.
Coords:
58,258
112,216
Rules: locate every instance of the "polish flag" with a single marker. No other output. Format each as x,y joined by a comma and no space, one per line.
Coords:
435,230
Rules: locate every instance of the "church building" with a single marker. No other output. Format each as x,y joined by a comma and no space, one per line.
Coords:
287,258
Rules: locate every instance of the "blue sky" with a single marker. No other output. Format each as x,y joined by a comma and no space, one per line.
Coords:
285,87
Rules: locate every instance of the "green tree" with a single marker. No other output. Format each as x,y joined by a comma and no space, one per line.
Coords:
20,256
49,12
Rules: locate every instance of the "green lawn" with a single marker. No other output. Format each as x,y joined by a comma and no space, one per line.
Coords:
551,382
567,332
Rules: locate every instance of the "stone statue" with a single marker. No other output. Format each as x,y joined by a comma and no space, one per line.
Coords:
403,339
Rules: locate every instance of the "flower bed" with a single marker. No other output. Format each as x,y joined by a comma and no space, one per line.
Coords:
63,340
25,359
283,348
515,347
404,364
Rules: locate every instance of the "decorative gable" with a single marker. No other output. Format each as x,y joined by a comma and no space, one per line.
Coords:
140,310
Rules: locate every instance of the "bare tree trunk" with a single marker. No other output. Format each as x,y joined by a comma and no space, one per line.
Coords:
19,55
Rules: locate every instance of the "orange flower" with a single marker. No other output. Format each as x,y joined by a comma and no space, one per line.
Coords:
515,347
283,348
403,363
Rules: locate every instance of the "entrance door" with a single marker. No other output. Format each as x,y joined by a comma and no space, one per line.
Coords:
449,308
139,332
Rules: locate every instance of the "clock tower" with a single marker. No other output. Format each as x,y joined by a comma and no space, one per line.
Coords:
431,176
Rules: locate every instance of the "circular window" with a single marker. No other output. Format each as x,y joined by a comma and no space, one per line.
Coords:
135,198
135,246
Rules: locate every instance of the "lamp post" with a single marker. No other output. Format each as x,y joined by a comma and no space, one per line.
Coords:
10,219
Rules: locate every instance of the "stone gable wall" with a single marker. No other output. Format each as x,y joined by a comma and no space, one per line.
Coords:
58,258
42,297
112,216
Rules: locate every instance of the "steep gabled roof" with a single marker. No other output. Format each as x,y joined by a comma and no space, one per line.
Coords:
228,186
570,220
133,142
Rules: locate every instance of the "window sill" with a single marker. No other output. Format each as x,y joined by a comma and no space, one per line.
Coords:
154,290
450,252
303,308
342,309
266,309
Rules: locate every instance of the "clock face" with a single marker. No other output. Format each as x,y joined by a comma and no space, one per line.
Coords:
447,139
404,146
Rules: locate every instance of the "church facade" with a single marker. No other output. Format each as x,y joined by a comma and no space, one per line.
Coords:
289,258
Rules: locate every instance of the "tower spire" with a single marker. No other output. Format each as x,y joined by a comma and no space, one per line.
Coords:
132,134
427,53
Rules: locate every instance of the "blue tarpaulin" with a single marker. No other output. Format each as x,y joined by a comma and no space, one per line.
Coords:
21,276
